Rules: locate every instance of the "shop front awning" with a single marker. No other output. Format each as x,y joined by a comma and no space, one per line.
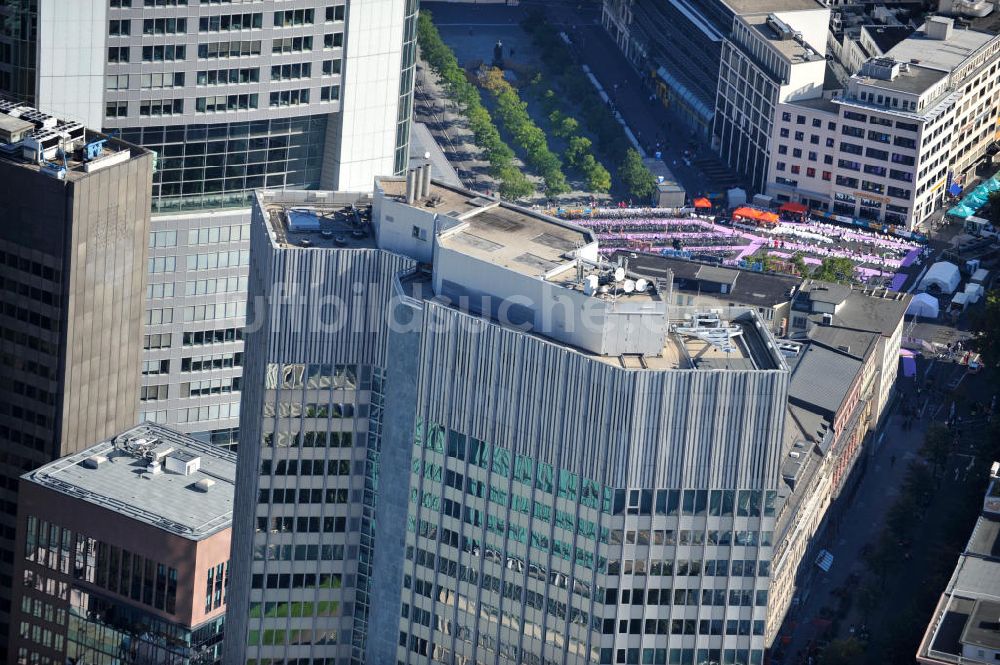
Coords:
793,207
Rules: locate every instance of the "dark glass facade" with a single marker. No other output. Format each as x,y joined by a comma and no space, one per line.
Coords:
103,632
18,36
219,165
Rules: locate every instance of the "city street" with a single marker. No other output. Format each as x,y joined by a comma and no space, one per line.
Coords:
473,32
864,518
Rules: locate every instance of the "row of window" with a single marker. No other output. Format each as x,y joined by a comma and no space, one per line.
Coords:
211,260
316,376
223,103
160,53
205,337
284,524
102,564
302,496
222,23
298,553
210,362
210,387
308,439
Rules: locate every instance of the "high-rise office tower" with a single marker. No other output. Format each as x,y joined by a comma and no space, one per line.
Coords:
75,210
506,450
232,96
123,553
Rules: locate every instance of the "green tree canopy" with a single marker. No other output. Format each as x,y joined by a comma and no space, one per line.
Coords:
986,324
835,269
636,177
993,208
843,652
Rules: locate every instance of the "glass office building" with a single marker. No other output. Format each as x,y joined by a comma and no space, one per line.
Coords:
231,97
543,490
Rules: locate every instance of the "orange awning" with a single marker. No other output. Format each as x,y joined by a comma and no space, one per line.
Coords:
756,215
793,207
702,202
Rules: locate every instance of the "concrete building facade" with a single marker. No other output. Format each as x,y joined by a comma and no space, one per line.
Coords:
768,59
907,126
123,553
315,95
72,267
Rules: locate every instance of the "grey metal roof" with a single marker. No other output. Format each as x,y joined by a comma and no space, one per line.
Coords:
748,287
821,378
878,310
985,540
168,500
976,577
857,343
717,274
887,36
944,54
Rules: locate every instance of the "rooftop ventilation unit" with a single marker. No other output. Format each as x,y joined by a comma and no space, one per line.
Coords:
182,463
781,29
158,453
883,69
203,485
303,220
93,462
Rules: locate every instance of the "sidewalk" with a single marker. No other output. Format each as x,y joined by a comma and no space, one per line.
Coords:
861,523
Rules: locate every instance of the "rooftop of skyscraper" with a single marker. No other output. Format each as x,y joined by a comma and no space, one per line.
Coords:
492,256
151,474
63,149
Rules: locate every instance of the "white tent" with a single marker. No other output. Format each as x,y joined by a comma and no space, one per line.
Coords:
974,292
924,305
943,276
960,301
736,197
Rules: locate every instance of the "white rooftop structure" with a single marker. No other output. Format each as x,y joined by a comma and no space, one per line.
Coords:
151,474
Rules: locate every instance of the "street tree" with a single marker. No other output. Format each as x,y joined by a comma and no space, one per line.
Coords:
986,324
835,269
847,651
993,207
636,177
936,446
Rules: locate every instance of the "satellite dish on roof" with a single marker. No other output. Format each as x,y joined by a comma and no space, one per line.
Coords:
640,285
619,274
628,286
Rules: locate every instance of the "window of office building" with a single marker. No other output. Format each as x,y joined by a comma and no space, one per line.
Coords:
219,165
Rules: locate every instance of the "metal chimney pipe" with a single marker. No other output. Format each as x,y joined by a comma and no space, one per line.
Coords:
410,186
425,188
418,183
